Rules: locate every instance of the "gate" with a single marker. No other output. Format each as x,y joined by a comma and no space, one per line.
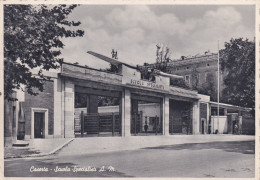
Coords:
136,123
179,126
99,124
175,126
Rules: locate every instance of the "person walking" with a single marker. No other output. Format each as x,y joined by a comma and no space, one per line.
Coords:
145,127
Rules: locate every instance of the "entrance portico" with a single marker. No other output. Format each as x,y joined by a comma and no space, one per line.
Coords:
153,103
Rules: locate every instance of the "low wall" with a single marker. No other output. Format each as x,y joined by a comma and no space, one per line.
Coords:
219,123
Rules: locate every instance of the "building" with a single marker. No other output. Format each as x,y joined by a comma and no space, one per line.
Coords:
197,71
163,108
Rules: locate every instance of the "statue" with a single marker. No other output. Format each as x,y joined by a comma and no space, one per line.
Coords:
114,54
158,53
166,58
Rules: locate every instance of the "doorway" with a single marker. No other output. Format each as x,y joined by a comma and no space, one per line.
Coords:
180,117
233,127
202,128
97,112
146,115
39,124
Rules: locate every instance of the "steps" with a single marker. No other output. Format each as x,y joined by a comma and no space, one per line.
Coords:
21,143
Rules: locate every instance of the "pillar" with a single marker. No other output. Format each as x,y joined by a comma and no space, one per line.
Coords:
207,123
69,109
210,119
126,113
166,115
195,118
57,85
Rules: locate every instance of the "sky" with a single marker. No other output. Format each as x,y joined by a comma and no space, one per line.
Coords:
135,30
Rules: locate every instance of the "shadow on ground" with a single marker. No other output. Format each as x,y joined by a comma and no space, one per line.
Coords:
244,147
21,168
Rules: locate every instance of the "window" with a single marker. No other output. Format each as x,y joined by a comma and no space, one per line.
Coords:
207,64
177,69
187,67
187,79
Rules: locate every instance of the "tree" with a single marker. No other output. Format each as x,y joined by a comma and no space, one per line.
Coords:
194,78
209,87
32,39
238,65
179,83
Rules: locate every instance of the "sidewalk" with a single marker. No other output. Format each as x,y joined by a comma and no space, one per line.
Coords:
37,147
90,145
108,144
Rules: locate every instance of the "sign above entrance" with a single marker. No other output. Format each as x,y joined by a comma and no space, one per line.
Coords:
147,84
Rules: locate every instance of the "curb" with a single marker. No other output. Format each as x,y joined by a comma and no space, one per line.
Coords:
42,154
90,151
60,147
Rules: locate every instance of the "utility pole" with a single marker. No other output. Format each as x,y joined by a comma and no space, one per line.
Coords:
218,85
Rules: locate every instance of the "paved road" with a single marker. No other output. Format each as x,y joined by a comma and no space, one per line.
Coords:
217,159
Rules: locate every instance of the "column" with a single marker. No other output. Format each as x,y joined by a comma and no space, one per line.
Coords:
210,120
69,109
58,108
166,115
126,113
122,113
195,118
207,123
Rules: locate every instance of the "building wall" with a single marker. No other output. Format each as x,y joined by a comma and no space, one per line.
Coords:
9,123
44,100
203,68
219,123
204,65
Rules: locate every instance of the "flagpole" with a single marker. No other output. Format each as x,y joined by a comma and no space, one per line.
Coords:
218,85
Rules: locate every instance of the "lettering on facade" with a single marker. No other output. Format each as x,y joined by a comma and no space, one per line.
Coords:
147,84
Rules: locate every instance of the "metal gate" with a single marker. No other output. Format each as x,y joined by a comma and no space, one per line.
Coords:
99,124
136,123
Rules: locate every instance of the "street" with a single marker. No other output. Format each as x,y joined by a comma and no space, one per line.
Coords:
212,159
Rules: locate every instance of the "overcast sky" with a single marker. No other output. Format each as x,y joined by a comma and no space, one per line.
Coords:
134,31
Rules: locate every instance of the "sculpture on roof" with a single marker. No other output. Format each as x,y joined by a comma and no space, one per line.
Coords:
162,53
114,54
158,53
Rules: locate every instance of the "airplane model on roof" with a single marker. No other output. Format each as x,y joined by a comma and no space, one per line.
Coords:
109,60
115,62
